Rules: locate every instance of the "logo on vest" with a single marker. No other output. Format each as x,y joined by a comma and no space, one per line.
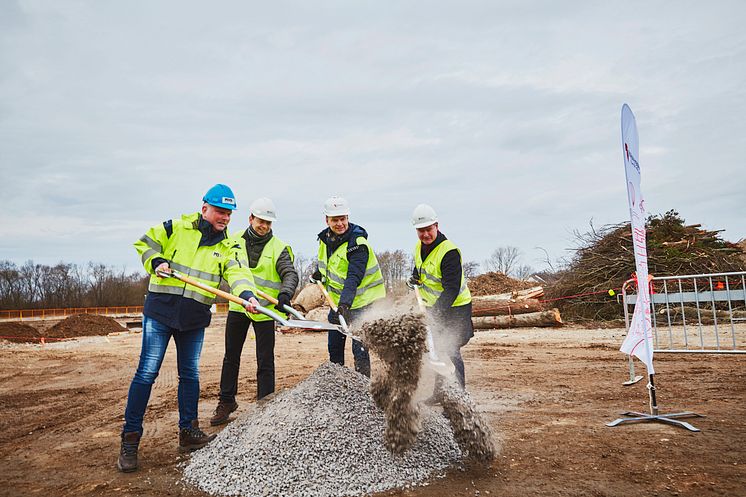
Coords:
216,254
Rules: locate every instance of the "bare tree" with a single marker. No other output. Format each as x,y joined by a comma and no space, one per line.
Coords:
305,267
523,272
11,286
396,267
503,260
471,269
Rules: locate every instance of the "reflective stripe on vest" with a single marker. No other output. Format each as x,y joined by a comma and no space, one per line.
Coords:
431,275
334,268
206,264
266,277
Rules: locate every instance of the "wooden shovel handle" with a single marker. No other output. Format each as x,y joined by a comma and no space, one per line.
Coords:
327,296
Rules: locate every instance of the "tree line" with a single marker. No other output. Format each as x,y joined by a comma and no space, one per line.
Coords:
34,286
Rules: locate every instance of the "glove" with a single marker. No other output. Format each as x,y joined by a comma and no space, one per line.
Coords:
283,300
316,277
344,311
333,317
414,280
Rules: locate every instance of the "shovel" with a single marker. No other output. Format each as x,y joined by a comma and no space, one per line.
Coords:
292,323
344,329
288,309
440,367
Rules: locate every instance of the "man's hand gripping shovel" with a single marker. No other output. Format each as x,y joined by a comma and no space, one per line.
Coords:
445,368
344,329
292,323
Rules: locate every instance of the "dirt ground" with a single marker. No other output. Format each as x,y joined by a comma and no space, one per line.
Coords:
546,393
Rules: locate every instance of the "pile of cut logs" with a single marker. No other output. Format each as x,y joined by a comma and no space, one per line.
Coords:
521,308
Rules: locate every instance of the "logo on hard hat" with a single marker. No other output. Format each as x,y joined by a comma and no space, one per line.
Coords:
229,201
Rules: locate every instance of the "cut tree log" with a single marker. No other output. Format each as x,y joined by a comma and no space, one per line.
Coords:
309,298
550,317
529,293
500,308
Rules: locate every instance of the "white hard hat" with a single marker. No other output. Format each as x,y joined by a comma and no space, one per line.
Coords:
336,206
424,216
263,208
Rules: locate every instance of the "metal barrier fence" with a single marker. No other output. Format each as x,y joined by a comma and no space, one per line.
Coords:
37,314
703,313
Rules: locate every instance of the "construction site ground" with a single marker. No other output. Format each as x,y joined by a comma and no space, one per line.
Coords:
547,394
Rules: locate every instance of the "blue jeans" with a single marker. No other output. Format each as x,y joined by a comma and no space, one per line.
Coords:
336,345
155,338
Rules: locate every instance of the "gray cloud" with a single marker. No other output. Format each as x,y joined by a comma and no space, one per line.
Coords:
504,116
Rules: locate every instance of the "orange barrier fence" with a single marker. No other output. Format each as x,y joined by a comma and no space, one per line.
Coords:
22,314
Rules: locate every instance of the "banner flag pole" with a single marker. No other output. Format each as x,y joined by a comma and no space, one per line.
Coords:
638,341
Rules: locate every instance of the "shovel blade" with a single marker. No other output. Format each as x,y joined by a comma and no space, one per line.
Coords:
311,325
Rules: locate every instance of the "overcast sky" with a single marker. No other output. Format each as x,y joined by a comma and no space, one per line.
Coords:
503,115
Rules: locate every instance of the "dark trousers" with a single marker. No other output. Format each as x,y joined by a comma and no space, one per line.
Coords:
336,345
453,330
236,328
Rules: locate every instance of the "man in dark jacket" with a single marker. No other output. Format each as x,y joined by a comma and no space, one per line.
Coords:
196,244
439,273
271,263
349,270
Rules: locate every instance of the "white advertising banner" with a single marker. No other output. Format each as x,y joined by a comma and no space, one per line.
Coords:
639,339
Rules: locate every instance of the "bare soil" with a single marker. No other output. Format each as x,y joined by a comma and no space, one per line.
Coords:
546,394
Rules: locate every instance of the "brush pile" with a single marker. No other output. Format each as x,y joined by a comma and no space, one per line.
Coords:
605,260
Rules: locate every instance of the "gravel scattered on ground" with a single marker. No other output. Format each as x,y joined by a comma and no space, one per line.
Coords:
322,438
470,429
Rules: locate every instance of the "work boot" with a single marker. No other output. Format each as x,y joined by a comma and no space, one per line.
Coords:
222,412
127,461
193,438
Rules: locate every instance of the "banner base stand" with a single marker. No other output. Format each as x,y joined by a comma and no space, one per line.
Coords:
639,417
632,380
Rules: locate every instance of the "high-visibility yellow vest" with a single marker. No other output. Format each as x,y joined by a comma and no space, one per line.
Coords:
206,264
266,277
334,269
430,274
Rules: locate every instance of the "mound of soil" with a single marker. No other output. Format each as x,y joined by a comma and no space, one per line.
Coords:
494,283
80,325
14,331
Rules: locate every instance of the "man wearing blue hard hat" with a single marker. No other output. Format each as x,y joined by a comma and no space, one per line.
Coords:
198,245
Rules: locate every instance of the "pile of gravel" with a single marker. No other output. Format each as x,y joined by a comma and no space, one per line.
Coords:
322,438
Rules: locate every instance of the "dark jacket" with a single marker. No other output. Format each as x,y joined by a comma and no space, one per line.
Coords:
255,245
357,257
176,311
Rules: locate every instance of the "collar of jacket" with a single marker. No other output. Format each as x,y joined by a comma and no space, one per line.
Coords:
210,236
253,237
333,241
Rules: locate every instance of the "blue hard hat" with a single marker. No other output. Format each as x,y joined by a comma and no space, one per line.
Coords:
220,195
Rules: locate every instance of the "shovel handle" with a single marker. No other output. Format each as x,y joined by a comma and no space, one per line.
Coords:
217,291
288,309
438,365
342,321
326,296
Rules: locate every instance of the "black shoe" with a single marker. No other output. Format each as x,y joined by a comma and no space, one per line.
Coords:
127,461
222,412
193,438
